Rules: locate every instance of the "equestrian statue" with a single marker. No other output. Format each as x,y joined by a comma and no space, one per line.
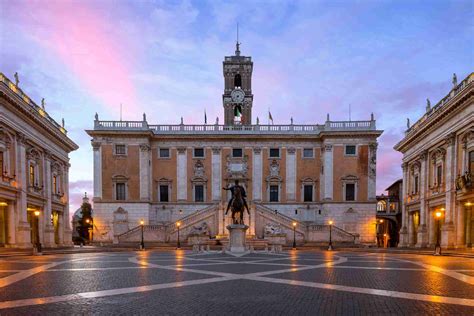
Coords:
237,203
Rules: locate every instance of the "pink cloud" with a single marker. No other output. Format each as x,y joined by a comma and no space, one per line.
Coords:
88,43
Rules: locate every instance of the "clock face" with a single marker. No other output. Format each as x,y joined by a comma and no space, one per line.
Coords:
237,95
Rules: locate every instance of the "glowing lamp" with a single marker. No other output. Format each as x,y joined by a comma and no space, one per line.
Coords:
142,222
438,214
88,221
178,224
331,222
37,213
294,224
467,204
3,204
381,221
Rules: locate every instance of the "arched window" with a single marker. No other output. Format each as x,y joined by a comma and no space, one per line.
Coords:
381,206
237,80
237,114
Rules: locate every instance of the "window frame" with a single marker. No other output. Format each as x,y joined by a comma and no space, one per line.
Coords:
195,197
203,152
270,193
270,152
117,184
311,186
354,192
241,153
350,155
120,154
304,150
164,157
167,186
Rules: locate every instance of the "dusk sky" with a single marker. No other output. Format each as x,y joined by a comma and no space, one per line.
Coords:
165,58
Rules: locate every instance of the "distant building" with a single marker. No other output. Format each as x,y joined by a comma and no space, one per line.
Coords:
438,165
389,215
34,181
167,173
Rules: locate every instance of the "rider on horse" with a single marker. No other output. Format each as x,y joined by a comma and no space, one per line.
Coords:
244,195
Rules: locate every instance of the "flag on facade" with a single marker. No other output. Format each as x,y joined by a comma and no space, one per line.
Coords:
270,116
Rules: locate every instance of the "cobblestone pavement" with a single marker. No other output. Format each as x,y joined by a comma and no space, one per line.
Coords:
183,283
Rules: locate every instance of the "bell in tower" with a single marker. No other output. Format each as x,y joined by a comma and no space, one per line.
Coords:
237,98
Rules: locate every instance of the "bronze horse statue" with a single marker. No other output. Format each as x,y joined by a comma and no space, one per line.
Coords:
237,205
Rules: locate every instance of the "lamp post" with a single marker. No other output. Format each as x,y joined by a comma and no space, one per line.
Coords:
142,243
90,229
380,234
330,235
37,241
178,246
437,251
294,235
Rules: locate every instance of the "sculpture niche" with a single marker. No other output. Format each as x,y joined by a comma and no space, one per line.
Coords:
237,203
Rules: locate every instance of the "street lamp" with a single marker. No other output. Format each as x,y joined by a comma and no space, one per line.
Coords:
37,243
178,246
90,229
330,235
142,243
437,252
294,235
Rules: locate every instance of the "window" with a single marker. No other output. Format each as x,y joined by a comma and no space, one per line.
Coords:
350,192
199,152
55,184
164,193
350,150
439,175
471,162
120,150
308,153
308,193
381,206
120,191
164,152
237,80
274,152
237,152
274,193
1,163
416,184
32,175
199,193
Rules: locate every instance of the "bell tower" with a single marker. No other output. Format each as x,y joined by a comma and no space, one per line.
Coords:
237,98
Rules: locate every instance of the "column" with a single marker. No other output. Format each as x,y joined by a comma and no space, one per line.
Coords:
404,229
182,174
468,226
48,237
216,174
11,237
257,174
371,185
460,225
447,231
291,174
422,238
66,224
96,146
144,165
23,237
411,230
328,172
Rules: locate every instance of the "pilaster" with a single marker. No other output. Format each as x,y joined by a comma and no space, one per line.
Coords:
145,174
422,238
291,174
328,172
182,174
257,174
23,237
448,231
97,150
48,237
216,174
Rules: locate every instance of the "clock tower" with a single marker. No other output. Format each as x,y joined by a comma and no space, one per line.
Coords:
237,98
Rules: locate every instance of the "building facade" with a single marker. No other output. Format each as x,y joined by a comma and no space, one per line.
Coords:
389,215
438,163
34,193
305,173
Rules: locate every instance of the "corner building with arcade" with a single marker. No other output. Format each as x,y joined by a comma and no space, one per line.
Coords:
305,175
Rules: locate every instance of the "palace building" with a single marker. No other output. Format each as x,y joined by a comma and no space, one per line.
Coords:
34,185
304,175
438,165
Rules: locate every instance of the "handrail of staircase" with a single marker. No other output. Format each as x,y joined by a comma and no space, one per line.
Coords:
129,231
145,227
189,217
287,218
346,232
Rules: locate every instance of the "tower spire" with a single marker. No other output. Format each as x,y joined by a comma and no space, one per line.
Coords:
237,44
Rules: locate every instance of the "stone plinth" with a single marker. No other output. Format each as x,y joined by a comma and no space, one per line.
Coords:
276,241
198,242
237,237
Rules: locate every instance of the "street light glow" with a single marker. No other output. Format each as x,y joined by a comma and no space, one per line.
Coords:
37,213
142,222
88,221
294,224
438,214
467,204
331,222
178,224
381,221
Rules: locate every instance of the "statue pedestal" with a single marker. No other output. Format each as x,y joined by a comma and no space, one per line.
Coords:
237,237
198,242
276,241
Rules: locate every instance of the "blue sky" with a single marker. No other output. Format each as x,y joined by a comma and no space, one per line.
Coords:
165,58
